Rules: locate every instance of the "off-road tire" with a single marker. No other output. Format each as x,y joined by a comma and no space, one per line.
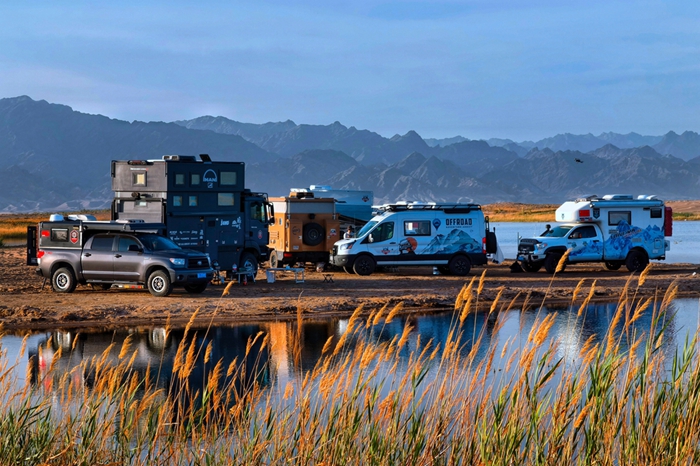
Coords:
159,284
613,265
274,261
459,265
63,280
313,234
551,261
531,267
364,265
636,261
248,261
196,289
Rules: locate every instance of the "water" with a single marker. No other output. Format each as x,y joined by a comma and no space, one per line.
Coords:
685,242
276,364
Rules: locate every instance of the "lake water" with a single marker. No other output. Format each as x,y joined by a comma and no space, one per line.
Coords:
685,242
156,354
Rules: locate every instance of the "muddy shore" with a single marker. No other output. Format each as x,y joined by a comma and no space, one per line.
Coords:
27,305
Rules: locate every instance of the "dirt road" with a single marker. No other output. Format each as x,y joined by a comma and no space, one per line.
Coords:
25,304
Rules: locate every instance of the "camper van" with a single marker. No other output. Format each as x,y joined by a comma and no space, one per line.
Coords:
616,229
451,237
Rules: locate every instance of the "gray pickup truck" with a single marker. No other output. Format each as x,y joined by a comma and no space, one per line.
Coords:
83,250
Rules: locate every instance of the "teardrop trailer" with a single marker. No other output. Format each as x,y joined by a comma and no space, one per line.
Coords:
451,237
616,229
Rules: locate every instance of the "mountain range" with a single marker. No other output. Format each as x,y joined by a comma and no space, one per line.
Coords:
55,158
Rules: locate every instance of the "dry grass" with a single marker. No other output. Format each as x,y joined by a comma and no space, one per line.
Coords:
370,401
13,227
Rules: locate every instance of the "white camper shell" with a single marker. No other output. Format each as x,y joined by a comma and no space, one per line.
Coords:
616,229
452,237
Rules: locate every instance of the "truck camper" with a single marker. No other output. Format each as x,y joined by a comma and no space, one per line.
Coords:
203,203
451,237
616,229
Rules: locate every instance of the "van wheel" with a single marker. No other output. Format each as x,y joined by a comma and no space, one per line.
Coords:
532,266
364,265
610,265
551,261
274,262
459,265
196,289
313,234
348,269
159,284
63,280
636,261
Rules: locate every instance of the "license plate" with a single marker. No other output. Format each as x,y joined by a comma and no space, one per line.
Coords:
201,275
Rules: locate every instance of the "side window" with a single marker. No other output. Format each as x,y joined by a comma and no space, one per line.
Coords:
256,211
179,178
193,201
228,178
615,217
383,232
195,179
588,232
102,243
139,178
177,201
226,199
416,228
655,212
125,242
59,234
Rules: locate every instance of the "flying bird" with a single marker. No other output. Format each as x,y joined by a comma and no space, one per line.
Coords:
578,160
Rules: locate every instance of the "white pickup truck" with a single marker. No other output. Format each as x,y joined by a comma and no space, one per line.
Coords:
615,230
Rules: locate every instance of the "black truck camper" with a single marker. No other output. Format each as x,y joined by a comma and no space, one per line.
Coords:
204,205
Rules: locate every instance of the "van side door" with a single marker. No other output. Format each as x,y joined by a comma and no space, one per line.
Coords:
586,244
382,242
97,258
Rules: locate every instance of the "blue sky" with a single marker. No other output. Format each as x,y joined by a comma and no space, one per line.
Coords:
480,69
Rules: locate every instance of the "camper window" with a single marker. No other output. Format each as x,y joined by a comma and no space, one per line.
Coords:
226,199
179,178
228,178
655,212
417,228
193,201
59,234
615,217
195,179
177,201
139,178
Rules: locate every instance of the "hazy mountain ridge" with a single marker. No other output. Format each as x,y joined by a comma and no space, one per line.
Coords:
53,157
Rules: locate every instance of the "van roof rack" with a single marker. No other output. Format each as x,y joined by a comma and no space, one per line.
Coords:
448,208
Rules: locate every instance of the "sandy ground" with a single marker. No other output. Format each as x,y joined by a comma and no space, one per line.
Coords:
25,304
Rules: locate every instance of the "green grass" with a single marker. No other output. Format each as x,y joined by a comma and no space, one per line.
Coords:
618,405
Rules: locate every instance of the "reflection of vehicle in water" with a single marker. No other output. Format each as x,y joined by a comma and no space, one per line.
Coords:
154,354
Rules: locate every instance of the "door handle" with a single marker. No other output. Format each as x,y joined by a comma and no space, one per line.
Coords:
393,242
117,255
87,254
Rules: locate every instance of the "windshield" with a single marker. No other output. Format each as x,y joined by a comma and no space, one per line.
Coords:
557,232
366,228
157,243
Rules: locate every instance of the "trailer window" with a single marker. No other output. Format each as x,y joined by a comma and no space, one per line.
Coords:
228,178
179,178
416,228
195,179
102,243
226,199
615,217
138,178
655,212
193,201
177,201
59,234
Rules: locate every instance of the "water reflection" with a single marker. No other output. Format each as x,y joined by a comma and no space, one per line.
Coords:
290,351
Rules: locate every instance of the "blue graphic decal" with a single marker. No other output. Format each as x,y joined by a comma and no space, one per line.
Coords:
624,238
456,240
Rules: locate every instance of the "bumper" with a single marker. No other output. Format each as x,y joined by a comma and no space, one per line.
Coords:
530,257
38,271
191,277
341,260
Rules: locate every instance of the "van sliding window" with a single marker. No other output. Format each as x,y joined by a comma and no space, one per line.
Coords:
416,228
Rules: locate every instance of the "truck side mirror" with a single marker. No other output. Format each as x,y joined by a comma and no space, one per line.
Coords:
371,238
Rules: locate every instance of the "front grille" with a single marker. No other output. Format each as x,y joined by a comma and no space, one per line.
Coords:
527,245
198,263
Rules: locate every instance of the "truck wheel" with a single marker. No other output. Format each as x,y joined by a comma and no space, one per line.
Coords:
196,289
159,284
551,261
364,265
636,261
274,262
63,280
348,269
459,265
610,265
313,234
532,266
248,262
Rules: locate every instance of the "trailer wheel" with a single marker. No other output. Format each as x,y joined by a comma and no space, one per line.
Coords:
459,265
532,266
63,280
613,265
196,289
636,261
159,284
364,265
248,262
274,261
313,234
551,261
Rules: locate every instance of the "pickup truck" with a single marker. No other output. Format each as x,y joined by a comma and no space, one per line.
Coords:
75,251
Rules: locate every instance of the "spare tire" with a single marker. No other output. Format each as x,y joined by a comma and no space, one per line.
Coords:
491,242
313,234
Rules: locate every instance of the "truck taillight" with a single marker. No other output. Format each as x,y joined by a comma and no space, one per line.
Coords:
668,221
483,245
40,254
45,233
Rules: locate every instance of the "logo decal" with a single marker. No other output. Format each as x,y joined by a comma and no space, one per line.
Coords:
386,251
437,223
365,198
596,212
259,234
74,236
210,178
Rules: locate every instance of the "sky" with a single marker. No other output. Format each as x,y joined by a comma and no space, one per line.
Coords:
522,70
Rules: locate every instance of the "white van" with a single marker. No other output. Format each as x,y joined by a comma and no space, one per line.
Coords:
453,237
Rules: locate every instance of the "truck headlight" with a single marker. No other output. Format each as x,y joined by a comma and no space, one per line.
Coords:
540,246
346,246
177,262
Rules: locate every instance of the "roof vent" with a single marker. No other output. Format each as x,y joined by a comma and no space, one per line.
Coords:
83,217
56,218
618,197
